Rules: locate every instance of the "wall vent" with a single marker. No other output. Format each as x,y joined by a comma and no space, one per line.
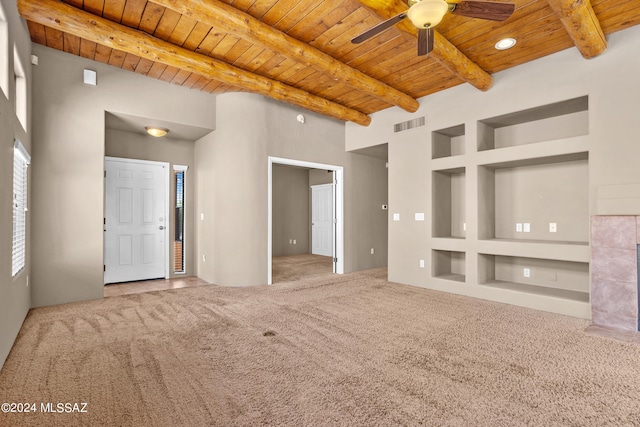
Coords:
409,124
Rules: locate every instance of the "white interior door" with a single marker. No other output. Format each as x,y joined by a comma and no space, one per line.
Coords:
322,219
135,220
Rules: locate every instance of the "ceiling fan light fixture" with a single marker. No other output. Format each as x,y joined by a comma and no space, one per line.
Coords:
427,13
156,131
505,44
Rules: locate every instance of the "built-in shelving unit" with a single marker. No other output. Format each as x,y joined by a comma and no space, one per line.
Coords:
525,181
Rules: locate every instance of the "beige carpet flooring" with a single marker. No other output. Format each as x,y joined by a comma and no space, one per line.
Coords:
351,350
298,267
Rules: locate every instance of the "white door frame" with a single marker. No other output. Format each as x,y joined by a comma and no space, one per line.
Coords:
167,190
338,266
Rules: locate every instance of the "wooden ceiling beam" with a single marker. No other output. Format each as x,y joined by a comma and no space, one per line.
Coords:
222,16
582,25
443,51
58,15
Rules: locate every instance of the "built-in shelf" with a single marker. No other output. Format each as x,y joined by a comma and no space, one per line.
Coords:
522,199
566,251
539,290
449,265
448,142
544,153
544,123
449,203
541,276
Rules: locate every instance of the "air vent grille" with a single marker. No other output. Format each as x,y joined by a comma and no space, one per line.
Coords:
410,124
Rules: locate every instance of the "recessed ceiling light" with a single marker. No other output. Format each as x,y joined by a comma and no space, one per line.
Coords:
504,44
155,131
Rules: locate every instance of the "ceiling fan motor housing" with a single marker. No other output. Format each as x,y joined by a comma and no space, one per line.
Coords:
427,13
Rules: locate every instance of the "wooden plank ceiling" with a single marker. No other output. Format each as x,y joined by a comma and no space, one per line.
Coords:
299,51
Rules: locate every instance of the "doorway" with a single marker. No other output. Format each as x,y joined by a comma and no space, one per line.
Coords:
136,213
336,254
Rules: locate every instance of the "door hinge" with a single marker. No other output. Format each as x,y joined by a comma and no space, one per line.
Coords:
104,267
335,260
105,174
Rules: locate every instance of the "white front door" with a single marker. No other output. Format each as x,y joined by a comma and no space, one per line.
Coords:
322,219
135,220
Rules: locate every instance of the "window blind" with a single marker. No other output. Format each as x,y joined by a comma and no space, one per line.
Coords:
21,160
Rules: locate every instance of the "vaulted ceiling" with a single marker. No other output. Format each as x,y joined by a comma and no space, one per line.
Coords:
300,51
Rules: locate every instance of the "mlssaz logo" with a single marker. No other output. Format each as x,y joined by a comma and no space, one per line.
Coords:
63,408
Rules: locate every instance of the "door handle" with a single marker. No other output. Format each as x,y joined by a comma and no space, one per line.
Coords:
162,227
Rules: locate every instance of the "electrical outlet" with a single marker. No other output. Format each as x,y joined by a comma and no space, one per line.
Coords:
519,227
396,217
291,241
526,227
419,216
421,263
553,227
527,272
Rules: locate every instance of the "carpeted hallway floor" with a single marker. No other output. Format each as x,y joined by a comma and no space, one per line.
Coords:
332,350
298,267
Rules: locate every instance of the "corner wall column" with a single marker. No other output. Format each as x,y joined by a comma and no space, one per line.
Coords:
614,271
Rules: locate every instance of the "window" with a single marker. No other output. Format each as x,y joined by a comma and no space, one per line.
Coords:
20,94
21,160
178,245
4,53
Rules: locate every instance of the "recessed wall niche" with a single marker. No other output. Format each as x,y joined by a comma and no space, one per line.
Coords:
448,142
449,203
449,265
519,200
556,278
559,120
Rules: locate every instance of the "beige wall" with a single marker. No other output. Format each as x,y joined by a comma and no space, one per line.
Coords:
290,210
15,298
233,236
175,152
610,184
68,160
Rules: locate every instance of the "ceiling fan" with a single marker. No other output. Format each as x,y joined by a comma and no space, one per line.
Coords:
426,14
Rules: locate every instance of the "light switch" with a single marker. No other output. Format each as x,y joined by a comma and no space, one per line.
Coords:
553,227
420,216
421,263
527,227
396,217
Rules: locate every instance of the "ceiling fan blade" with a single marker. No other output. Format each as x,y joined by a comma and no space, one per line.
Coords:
425,41
378,28
491,10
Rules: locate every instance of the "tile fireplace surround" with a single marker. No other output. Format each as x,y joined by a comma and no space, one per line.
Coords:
614,271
